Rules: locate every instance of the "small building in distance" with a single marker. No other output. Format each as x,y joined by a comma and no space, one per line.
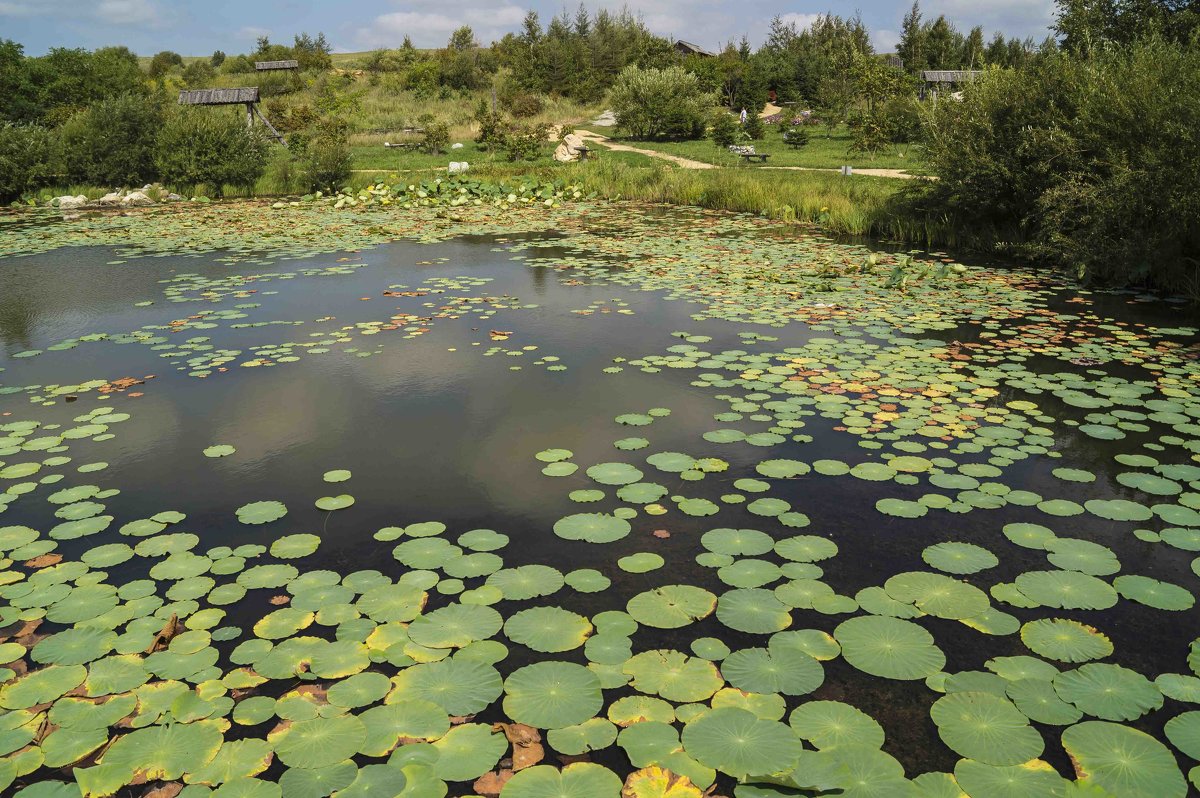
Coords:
244,96
276,66
687,48
934,81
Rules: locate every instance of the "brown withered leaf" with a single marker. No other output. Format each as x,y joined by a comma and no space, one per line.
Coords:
490,784
168,790
280,600
44,561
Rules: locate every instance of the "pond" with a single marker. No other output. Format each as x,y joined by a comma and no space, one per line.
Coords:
301,502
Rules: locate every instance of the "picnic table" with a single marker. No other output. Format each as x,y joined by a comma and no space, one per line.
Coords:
583,152
750,156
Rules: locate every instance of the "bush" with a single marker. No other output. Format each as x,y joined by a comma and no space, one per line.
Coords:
525,105
325,161
754,127
436,138
796,136
868,133
112,143
27,159
525,142
901,120
723,130
204,145
492,133
1085,162
660,103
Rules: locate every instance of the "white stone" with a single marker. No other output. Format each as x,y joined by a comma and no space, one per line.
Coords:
69,201
568,150
136,198
458,167
111,198
456,146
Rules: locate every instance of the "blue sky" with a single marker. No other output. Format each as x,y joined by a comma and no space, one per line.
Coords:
197,27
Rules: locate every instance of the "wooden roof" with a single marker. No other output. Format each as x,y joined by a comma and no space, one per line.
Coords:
269,66
688,47
219,96
949,75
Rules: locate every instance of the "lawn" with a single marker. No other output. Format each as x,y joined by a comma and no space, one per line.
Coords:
823,151
376,156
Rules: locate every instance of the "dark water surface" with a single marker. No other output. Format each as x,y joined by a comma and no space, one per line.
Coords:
434,428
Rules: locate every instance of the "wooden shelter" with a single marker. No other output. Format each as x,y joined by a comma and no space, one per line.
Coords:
276,66
687,48
244,96
934,81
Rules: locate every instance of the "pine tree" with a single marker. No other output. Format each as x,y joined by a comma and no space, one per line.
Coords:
912,41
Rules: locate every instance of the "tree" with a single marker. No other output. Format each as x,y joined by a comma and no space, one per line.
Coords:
660,103
163,62
462,39
197,146
973,50
939,42
198,74
112,142
27,156
16,85
911,48
216,59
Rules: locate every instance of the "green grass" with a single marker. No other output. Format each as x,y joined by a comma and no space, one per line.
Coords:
823,151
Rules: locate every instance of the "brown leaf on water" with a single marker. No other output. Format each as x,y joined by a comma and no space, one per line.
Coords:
44,561
490,784
165,635
661,534
280,600
526,742
168,790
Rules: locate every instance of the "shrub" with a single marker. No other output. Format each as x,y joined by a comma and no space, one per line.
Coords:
203,145
112,142
325,160
525,105
754,127
436,138
491,127
660,103
868,133
525,142
723,130
27,159
901,120
796,137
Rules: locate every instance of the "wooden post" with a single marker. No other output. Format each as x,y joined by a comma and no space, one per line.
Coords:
249,114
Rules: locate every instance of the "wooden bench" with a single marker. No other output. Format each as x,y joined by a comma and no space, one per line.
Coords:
750,156
403,145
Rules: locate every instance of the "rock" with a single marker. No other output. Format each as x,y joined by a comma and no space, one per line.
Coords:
606,119
458,167
111,198
67,202
569,149
456,146
136,198
173,198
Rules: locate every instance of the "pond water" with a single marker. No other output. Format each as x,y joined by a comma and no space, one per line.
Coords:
846,523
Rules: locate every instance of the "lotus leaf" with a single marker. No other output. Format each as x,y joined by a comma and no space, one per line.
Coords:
889,647
736,742
674,676
552,695
578,780
1123,760
547,629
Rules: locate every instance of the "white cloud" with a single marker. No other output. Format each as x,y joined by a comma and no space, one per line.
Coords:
885,41
801,21
128,12
23,8
1011,17
432,28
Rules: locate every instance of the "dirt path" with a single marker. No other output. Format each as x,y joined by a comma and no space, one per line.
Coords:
688,163
604,141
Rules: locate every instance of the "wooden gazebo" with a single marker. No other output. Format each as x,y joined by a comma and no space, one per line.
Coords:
276,66
243,96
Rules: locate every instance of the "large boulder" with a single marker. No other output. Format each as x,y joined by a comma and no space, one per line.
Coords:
568,150
136,198
111,198
68,202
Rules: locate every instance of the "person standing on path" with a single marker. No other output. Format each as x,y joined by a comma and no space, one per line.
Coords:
743,116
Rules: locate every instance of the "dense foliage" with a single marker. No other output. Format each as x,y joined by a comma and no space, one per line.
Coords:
1090,160
51,87
27,159
660,103
112,142
197,147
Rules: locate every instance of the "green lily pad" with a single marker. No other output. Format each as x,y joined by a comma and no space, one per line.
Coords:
736,742
547,629
552,695
577,780
889,647
986,727
1123,760
261,512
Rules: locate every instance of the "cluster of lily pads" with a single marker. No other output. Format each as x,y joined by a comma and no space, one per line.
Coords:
755,635
453,192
